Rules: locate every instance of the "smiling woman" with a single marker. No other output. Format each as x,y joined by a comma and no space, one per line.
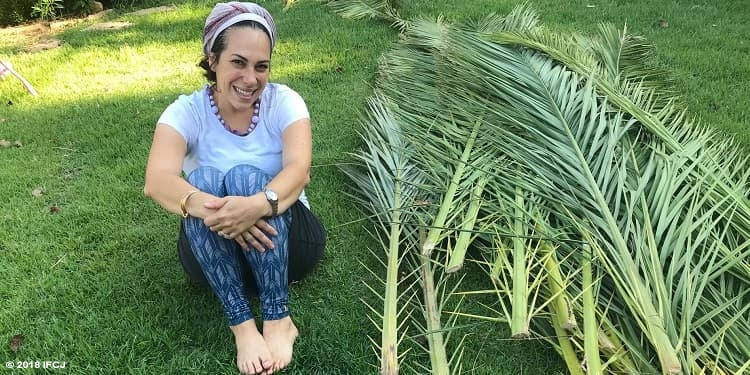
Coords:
245,145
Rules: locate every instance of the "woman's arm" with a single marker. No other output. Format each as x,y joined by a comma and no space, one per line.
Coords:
163,182
296,161
235,215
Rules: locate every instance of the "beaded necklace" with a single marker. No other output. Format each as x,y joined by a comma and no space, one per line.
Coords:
253,121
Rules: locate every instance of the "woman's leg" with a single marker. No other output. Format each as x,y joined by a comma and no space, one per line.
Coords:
307,240
270,268
194,271
220,261
217,256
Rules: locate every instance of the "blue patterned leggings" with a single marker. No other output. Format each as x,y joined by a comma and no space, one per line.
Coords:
220,259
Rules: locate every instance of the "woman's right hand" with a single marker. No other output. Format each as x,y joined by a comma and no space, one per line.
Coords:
241,219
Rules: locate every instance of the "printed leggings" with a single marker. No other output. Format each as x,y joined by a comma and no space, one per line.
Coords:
220,259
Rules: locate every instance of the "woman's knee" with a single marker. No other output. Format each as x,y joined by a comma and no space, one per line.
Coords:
207,179
245,179
244,170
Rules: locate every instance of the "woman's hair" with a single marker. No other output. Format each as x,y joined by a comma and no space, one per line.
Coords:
220,44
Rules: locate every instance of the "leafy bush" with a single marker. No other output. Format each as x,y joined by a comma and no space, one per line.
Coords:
15,11
46,9
78,7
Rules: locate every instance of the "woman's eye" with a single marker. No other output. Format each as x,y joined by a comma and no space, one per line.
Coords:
261,68
239,63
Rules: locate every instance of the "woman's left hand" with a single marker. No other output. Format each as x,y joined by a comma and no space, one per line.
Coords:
258,237
236,216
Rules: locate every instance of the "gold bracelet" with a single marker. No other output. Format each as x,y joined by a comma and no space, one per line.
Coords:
183,201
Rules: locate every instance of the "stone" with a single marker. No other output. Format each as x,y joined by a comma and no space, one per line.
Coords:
96,7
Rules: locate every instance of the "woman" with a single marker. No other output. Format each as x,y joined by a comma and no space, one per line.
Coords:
245,146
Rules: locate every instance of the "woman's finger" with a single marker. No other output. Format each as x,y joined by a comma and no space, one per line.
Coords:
265,227
261,237
242,242
253,242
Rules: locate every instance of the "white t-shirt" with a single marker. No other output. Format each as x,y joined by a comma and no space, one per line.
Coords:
209,144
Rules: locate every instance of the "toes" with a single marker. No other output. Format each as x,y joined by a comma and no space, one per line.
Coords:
255,370
269,366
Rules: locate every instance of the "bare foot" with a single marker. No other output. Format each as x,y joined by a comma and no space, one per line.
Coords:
280,335
253,356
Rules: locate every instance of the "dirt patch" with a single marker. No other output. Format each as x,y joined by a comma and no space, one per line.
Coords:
144,12
115,25
28,34
25,33
40,36
43,44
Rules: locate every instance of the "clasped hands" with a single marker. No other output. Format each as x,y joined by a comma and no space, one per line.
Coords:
240,219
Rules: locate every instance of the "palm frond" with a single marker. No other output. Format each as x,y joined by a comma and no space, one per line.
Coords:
359,9
520,18
388,185
590,130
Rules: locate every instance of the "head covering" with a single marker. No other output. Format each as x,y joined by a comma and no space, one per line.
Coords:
225,15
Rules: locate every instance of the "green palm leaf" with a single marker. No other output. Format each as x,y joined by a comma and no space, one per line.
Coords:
385,186
592,131
358,9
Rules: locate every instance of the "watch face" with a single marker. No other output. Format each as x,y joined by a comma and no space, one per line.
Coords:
271,195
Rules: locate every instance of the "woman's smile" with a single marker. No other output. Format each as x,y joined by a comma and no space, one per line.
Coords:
245,94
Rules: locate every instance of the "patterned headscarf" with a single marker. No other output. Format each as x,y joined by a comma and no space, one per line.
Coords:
225,15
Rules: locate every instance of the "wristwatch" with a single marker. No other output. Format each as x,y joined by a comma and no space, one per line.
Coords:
273,199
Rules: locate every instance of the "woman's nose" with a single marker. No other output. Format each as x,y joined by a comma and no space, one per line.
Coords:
249,78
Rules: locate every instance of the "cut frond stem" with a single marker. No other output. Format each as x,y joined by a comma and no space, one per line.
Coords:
438,356
565,347
456,258
519,324
435,234
562,311
590,325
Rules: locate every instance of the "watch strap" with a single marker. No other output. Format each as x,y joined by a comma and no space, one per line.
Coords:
273,200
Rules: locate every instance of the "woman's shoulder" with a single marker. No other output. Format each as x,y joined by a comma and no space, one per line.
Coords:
278,92
283,105
186,111
195,99
280,97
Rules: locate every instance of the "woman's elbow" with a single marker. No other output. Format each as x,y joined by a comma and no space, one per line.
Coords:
147,190
306,179
148,187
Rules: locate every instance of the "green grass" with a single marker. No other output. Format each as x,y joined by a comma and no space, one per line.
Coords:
98,284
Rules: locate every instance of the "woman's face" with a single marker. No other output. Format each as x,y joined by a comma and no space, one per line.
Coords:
243,68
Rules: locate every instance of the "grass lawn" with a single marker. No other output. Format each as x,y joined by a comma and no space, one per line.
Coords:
88,267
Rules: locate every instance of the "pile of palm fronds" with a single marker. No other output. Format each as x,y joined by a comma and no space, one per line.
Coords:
607,220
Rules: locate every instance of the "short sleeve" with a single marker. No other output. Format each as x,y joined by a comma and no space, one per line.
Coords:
290,108
182,116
